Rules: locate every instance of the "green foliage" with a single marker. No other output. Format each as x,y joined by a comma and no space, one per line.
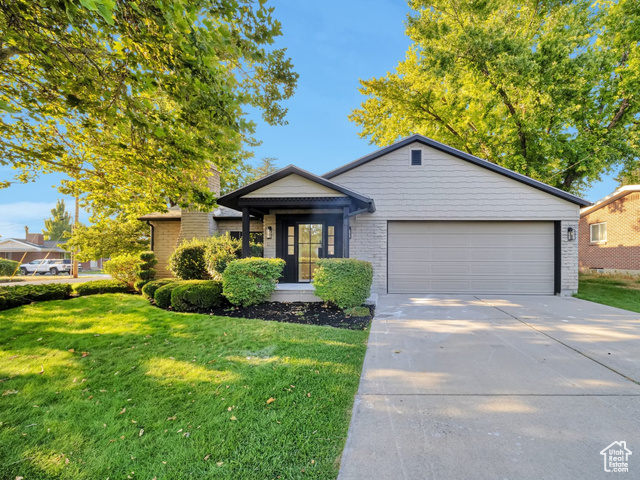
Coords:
196,296
123,268
59,226
187,261
97,287
250,281
162,296
245,174
11,297
130,99
549,90
257,249
144,269
345,282
8,267
358,312
149,289
108,238
219,252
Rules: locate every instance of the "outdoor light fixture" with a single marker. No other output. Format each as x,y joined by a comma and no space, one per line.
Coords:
349,233
571,234
269,233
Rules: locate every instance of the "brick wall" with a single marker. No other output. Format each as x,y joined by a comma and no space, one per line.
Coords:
165,235
621,251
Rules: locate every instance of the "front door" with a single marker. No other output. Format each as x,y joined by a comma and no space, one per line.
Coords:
304,241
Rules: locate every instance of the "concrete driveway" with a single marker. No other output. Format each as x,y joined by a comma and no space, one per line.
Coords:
515,387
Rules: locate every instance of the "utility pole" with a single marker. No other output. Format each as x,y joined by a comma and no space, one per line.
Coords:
74,266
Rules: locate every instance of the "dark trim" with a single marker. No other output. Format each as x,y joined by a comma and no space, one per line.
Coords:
557,257
463,156
416,158
246,230
345,232
152,235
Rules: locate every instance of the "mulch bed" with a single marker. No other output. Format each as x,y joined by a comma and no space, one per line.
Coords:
307,313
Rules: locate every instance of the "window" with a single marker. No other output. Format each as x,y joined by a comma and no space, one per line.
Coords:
416,157
291,240
255,237
598,232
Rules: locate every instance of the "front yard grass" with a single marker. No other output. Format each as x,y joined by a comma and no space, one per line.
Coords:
109,386
613,290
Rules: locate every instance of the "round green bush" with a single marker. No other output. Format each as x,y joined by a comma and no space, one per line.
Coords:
123,268
250,281
97,287
149,290
8,267
196,296
162,296
187,260
219,252
345,282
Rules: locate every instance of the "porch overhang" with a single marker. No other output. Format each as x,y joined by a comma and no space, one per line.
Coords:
322,194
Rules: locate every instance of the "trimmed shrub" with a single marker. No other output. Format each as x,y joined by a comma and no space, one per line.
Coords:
144,269
187,261
149,290
15,296
250,281
196,295
123,268
257,250
97,287
219,252
162,296
345,282
8,267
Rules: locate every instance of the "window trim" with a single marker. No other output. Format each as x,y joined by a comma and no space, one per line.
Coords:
606,233
419,163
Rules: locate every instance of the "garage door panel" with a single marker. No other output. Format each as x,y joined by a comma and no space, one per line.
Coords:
471,257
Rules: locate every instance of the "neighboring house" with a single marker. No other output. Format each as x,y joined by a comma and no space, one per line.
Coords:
35,247
610,233
430,218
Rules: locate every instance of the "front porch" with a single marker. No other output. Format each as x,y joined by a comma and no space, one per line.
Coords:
305,218
304,292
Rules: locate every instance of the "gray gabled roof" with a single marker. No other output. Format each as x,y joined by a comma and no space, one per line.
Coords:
230,200
463,156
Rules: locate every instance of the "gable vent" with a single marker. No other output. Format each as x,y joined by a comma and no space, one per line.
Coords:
416,157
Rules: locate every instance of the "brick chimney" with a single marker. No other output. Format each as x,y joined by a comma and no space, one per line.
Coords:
200,224
37,238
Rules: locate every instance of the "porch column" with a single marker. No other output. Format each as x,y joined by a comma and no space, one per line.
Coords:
246,228
345,232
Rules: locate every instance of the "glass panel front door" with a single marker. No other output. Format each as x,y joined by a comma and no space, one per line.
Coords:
309,249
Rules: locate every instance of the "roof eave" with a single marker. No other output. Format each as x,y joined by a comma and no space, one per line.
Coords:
464,156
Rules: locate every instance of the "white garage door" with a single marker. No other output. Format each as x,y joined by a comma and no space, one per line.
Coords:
471,257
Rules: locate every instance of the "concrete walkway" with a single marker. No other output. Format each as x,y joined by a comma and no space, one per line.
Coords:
495,388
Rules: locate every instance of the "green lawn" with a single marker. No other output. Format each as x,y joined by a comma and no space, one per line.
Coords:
109,386
614,290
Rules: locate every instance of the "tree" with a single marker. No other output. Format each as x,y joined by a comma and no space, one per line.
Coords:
60,224
247,173
132,100
546,88
108,238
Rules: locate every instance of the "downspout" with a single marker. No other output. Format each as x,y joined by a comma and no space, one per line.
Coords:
152,233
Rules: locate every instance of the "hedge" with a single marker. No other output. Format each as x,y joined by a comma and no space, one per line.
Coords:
149,290
219,252
187,260
8,267
250,281
345,282
196,295
97,287
15,296
162,295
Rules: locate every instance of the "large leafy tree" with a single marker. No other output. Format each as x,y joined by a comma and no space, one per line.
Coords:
548,88
133,99
59,226
247,173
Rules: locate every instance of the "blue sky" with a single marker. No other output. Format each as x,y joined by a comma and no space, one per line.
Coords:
333,44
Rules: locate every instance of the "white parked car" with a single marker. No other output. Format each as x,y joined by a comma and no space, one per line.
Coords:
44,266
